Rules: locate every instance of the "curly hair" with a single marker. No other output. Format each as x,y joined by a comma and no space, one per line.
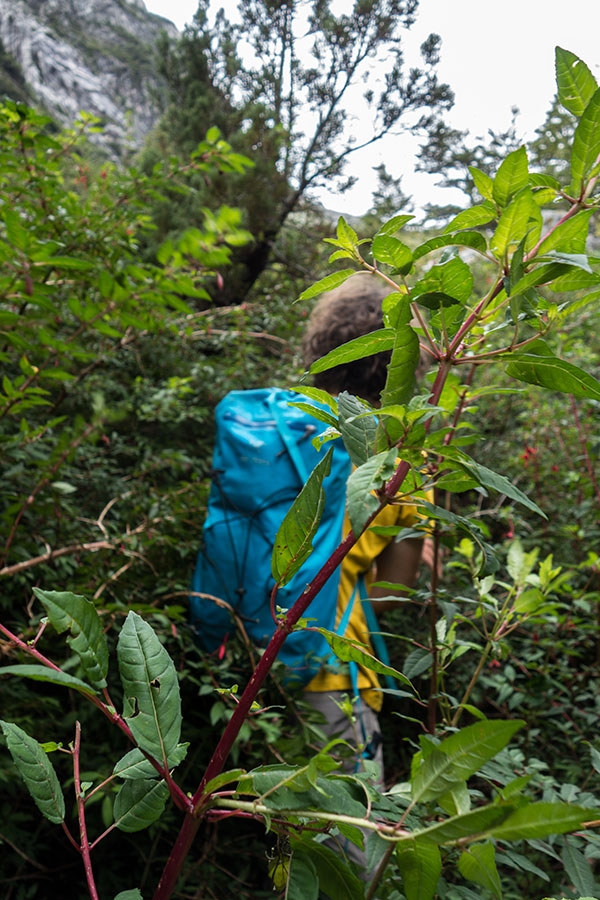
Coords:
348,312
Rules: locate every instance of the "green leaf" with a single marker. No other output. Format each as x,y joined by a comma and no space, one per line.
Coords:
392,252
482,182
151,698
362,503
520,220
492,480
468,826
358,429
474,217
400,382
133,894
139,803
396,223
452,277
302,879
576,84
420,865
472,239
75,613
578,869
326,284
135,765
37,772
50,676
554,374
570,236
478,864
351,651
335,879
460,756
293,543
586,146
538,820
359,348
511,177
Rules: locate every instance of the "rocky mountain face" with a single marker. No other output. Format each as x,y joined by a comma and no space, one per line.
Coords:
65,56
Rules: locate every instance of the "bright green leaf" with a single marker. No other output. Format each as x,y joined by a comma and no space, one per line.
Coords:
586,146
326,284
511,177
350,651
576,84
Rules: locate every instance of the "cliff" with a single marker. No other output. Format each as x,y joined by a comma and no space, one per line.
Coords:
65,56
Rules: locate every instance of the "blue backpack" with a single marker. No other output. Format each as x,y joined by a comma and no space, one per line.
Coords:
263,456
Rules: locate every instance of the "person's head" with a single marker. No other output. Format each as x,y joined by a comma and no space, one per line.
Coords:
348,312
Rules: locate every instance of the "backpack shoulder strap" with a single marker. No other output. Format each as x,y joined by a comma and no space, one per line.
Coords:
287,437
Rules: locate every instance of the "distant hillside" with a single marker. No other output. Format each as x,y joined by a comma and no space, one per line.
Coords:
94,55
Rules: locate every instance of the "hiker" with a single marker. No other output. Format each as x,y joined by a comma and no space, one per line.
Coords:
352,310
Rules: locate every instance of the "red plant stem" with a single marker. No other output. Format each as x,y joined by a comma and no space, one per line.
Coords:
192,819
85,844
177,794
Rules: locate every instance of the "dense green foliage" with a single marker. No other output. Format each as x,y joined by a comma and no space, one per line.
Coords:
111,370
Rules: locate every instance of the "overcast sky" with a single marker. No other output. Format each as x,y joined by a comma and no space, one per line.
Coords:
494,56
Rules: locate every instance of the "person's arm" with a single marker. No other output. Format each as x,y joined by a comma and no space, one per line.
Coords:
397,563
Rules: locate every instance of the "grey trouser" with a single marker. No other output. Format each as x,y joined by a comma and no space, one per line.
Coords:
364,734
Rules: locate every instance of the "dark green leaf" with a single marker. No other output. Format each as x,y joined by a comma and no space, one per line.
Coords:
460,756
134,894
579,870
538,820
335,879
135,765
293,543
490,479
37,772
358,429
468,826
553,374
151,699
420,865
371,476
139,803
75,613
302,879
50,676
478,864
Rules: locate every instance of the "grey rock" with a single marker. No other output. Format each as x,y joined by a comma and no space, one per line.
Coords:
97,56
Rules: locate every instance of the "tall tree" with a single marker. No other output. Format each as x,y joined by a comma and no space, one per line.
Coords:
299,88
